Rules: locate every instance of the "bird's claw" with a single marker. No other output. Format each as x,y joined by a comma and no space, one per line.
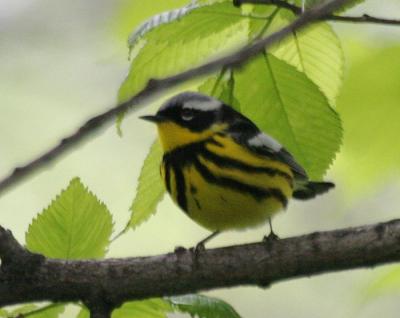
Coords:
272,237
179,250
199,248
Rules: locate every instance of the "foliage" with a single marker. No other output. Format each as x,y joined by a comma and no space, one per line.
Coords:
183,38
221,87
316,52
76,225
33,311
72,236
80,226
281,93
311,3
196,305
290,107
150,188
130,14
150,308
290,92
203,307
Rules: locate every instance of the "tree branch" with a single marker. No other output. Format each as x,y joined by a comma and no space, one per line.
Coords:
100,309
14,257
157,86
106,284
365,18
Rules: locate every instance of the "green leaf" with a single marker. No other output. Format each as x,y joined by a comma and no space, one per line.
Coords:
83,313
76,225
311,3
349,5
315,51
157,308
130,14
50,311
193,38
200,22
221,87
150,189
23,309
268,19
203,306
369,106
34,311
149,308
284,103
159,19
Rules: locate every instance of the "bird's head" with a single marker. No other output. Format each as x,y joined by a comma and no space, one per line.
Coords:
189,117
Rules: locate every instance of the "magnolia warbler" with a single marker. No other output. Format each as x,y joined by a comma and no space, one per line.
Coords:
221,170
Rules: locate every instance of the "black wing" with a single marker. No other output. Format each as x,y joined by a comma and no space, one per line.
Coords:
247,133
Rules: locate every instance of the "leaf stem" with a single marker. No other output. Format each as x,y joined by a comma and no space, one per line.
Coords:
267,24
231,86
218,81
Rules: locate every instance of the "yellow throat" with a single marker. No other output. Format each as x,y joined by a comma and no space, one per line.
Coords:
173,136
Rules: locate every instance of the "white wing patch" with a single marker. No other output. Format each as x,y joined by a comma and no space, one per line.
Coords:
202,105
263,140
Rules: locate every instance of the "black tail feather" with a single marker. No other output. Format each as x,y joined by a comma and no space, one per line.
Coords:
312,189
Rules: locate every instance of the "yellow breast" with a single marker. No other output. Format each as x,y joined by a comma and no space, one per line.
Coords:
222,185
173,136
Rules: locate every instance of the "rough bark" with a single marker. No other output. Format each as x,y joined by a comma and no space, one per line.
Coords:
105,284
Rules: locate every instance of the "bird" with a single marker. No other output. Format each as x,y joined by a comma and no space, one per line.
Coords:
222,170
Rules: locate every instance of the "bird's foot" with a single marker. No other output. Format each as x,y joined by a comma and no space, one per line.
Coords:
198,249
271,237
179,250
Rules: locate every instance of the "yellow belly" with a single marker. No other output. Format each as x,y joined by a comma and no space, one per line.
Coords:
220,208
218,193
217,207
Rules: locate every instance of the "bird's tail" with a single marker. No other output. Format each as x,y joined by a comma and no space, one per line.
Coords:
311,189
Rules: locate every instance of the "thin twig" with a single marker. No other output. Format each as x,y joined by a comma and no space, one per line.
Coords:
365,18
279,3
157,86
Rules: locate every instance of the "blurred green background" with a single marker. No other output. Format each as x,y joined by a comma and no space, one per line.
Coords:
63,61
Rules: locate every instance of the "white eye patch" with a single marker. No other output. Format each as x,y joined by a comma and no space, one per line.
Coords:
200,105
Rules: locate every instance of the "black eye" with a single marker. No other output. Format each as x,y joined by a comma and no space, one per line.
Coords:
187,114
